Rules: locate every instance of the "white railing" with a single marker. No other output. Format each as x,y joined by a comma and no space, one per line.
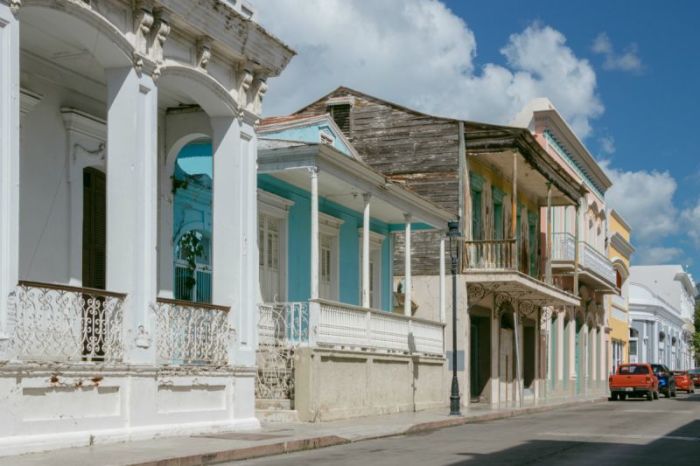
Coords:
596,262
563,247
56,323
345,326
283,324
190,333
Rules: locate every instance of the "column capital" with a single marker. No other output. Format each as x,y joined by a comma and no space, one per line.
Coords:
366,197
408,217
313,171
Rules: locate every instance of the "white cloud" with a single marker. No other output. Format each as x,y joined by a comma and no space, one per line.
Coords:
645,199
691,223
607,145
658,255
628,60
420,54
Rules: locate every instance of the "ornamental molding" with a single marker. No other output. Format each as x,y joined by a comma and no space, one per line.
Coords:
204,44
27,101
84,124
475,293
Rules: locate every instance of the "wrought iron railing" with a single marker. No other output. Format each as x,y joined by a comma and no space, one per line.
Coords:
491,254
354,327
57,323
189,333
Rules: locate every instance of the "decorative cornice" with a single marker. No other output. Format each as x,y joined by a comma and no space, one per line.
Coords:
28,100
203,51
618,242
84,124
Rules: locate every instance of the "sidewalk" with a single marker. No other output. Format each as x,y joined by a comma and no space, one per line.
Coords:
273,439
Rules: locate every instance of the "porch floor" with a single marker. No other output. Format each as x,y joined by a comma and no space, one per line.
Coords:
273,438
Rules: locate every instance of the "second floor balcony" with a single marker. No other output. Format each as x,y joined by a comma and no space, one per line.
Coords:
595,269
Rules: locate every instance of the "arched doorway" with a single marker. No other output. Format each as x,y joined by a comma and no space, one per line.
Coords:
192,222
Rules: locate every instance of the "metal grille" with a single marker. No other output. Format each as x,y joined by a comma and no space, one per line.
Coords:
66,324
192,333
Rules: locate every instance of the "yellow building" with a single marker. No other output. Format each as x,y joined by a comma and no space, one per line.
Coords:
617,307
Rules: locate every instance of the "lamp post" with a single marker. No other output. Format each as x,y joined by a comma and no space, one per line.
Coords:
453,234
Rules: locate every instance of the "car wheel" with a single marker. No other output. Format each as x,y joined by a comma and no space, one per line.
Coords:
667,394
623,396
656,395
673,393
613,397
650,396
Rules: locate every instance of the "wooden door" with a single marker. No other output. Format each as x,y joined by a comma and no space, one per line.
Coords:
94,262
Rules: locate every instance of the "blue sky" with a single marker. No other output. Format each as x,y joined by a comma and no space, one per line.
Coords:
623,73
651,113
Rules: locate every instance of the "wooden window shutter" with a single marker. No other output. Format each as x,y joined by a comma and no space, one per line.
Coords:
94,228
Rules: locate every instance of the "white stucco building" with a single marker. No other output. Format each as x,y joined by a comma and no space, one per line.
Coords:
662,306
97,98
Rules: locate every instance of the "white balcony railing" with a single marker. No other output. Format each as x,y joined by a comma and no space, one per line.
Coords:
56,323
283,324
344,325
189,333
563,249
596,262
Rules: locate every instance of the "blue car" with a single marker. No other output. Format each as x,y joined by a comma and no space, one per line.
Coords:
667,381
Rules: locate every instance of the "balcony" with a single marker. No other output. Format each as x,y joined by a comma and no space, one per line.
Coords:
593,264
66,324
502,266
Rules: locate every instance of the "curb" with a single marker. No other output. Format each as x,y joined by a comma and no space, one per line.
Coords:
313,443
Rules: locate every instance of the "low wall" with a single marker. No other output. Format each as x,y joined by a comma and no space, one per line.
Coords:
336,384
48,407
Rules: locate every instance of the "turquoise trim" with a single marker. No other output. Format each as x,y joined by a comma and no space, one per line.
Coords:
299,245
419,226
497,195
476,181
564,154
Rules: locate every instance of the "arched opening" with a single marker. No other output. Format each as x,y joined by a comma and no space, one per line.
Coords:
192,222
506,350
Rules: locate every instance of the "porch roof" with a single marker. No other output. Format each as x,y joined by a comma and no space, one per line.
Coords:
517,286
344,180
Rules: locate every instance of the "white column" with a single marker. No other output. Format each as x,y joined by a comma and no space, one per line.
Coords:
9,163
407,267
654,340
584,358
314,233
593,351
559,350
442,278
132,128
572,349
227,260
365,252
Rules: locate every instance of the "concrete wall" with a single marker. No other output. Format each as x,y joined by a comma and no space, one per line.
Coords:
333,384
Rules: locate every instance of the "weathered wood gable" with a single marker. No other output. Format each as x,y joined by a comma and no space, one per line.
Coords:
420,151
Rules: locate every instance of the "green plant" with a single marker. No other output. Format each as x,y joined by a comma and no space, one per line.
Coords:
190,248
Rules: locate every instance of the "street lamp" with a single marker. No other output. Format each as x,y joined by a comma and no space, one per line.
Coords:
453,234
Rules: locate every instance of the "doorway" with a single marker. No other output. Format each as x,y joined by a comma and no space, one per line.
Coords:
479,356
529,354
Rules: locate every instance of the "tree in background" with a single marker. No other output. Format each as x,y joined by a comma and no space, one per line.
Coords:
696,335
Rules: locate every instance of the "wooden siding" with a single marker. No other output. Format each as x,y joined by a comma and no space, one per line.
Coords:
416,150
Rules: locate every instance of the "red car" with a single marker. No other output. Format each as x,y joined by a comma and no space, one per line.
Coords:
695,375
684,381
633,380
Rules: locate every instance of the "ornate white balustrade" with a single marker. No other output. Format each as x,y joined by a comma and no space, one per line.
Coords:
283,324
190,333
56,323
346,326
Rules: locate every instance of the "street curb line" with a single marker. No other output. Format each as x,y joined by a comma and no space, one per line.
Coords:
314,443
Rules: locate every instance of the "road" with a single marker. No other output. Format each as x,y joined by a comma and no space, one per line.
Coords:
665,432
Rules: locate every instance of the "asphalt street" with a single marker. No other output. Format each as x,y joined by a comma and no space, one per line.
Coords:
633,432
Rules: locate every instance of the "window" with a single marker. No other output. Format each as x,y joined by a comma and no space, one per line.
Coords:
269,258
193,267
375,268
272,246
341,116
328,267
477,222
